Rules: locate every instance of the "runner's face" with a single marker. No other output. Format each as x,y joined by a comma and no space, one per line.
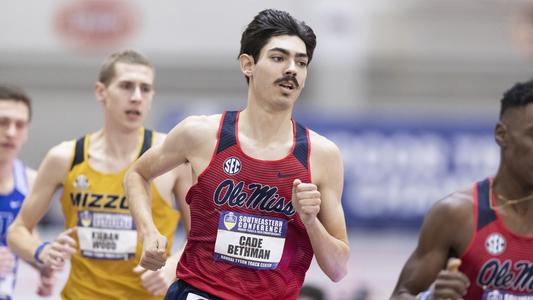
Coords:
517,152
280,71
14,120
128,97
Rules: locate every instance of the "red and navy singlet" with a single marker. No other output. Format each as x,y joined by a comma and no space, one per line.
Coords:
498,262
246,239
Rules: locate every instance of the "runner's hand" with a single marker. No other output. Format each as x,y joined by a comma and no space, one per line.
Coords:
450,283
306,200
55,254
154,253
156,282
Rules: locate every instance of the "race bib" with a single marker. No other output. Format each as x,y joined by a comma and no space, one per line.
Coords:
250,241
106,235
501,295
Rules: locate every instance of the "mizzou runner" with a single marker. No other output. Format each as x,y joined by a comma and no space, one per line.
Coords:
101,237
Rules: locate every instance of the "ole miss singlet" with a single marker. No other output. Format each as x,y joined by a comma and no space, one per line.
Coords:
246,240
9,208
498,262
95,203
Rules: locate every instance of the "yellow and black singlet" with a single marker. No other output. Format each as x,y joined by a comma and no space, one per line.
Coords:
109,249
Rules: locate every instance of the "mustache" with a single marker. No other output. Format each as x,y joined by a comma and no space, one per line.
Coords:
288,78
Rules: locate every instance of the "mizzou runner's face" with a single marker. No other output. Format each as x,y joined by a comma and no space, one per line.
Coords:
279,74
128,97
14,120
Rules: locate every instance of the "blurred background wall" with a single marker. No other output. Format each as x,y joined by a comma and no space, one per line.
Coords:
409,90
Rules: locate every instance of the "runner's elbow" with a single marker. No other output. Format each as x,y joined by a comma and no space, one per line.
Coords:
12,232
338,274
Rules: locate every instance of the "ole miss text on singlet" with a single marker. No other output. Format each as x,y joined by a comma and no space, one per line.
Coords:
498,262
246,240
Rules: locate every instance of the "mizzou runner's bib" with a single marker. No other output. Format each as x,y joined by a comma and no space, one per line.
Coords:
106,235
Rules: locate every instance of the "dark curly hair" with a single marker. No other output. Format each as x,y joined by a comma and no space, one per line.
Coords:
269,23
521,94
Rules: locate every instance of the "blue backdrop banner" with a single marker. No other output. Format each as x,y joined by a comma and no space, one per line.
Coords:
396,167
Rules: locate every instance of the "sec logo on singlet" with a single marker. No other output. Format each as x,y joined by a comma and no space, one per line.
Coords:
495,244
232,166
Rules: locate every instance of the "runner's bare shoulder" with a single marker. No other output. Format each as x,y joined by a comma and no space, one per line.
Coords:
61,155
321,145
196,130
455,210
159,137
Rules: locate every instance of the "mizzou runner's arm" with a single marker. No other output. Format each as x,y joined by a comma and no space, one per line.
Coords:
49,178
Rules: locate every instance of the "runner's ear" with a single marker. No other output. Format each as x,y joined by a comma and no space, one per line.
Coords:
500,134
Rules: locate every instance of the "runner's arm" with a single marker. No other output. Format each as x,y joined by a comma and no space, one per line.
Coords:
438,238
156,161
49,178
328,232
181,187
